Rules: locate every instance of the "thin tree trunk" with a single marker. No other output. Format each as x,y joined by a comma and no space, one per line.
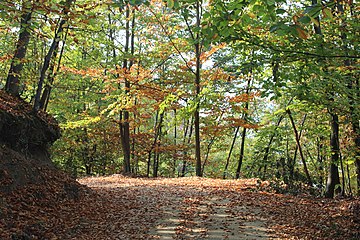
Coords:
267,148
131,63
349,180
293,162
342,175
124,124
356,131
157,156
45,97
333,177
297,138
53,48
12,85
186,125
230,151
134,155
212,140
197,86
148,164
183,171
157,130
243,134
320,159
175,137
241,157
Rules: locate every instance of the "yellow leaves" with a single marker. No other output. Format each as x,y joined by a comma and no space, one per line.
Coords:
122,102
81,123
252,15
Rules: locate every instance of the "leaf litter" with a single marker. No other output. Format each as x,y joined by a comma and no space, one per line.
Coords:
119,207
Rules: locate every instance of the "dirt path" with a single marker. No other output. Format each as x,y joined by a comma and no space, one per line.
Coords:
118,207
209,217
188,208
200,208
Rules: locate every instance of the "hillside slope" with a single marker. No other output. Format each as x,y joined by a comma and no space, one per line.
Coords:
29,182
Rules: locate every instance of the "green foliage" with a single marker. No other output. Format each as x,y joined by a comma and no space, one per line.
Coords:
271,43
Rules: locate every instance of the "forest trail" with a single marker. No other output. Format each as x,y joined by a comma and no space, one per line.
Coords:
183,208
200,208
209,217
124,208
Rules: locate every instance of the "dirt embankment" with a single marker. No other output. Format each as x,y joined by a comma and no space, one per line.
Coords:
28,179
24,139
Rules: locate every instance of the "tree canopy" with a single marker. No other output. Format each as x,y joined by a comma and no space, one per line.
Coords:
221,89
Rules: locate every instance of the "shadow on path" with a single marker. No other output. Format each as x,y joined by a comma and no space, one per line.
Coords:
213,218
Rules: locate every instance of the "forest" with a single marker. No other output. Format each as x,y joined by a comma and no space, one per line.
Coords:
220,89
179,119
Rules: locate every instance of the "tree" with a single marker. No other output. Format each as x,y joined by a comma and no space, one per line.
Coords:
13,79
49,56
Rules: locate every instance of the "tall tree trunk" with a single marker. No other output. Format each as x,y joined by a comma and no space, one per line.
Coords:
197,86
292,162
134,156
157,156
243,134
49,56
131,63
183,170
148,164
208,148
297,139
230,152
356,131
333,177
267,148
242,148
45,97
342,175
157,130
349,180
175,137
13,79
321,159
354,93
124,123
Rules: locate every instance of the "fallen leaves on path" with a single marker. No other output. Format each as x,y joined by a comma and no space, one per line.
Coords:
118,207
